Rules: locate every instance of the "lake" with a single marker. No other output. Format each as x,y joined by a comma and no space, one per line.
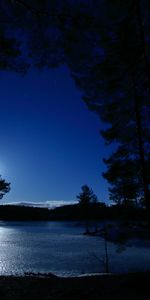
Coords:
61,248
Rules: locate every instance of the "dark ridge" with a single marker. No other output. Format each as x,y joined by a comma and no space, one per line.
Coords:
72,212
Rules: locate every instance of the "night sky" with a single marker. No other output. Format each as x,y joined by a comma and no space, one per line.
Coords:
50,142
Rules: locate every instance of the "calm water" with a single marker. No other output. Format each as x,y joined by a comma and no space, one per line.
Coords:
60,248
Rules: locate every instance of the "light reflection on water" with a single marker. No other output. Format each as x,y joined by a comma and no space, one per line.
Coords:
60,248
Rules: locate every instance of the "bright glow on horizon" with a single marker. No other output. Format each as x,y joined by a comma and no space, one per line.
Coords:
48,204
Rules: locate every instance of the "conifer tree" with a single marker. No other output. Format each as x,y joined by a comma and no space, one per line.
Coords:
4,187
86,199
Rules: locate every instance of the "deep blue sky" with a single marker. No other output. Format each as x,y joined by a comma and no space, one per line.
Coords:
50,142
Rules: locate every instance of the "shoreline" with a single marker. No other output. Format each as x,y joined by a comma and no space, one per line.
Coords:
52,287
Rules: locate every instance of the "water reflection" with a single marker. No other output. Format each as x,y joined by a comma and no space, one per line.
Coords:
60,247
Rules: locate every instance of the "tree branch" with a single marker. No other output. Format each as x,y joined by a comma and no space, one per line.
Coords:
29,7
36,11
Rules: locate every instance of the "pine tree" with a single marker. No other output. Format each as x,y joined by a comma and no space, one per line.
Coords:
123,176
117,87
87,196
86,199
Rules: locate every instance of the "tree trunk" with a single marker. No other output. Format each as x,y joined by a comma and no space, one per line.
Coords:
143,43
141,151
106,251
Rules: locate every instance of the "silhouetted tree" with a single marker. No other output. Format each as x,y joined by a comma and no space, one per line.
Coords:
123,175
86,199
117,87
87,196
4,187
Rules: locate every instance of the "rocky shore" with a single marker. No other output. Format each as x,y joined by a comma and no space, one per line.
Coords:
100,287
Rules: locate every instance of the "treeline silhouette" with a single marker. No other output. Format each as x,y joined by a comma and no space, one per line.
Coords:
74,212
23,213
97,212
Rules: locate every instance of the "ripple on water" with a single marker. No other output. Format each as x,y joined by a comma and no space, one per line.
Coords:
61,248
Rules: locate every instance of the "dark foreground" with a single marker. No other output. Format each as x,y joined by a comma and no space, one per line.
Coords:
130,286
